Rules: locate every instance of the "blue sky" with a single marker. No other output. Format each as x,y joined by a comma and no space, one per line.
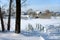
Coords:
53,5
4,3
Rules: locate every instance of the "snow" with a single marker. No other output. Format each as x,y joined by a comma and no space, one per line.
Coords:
13,36
44,22
24,23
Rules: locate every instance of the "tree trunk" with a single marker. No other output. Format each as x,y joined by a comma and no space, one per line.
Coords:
9,18
18,16
2,23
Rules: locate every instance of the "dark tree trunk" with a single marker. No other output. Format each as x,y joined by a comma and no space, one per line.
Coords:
8,28
2,23
18,16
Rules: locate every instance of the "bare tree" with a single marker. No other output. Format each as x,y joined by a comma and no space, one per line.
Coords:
23,3
9,18
2,23
18,16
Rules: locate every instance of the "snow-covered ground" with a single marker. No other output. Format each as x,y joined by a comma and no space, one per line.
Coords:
24,35
13,36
